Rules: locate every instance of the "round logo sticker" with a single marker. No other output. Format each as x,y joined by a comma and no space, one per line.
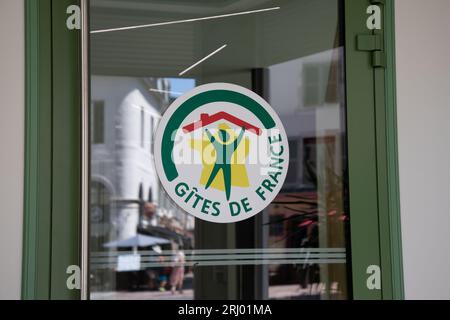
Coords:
221,152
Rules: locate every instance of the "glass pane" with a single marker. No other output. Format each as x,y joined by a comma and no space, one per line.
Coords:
146,53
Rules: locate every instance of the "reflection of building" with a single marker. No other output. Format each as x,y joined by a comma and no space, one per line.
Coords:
125,188
310,211
312,112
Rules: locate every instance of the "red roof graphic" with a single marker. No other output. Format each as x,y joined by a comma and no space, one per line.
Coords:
206,120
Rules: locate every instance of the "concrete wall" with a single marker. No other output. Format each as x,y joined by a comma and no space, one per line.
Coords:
423,85
12,106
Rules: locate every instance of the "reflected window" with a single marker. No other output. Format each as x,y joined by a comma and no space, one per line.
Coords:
152,133
142,128
292,175
98,120
276,225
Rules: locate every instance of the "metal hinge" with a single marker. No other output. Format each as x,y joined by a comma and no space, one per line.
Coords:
372,43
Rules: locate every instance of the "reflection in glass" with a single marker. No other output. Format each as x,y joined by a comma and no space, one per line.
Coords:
142,246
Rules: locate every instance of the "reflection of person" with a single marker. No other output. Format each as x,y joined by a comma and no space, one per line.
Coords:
177,275
151,279
224,152
309,274
162,275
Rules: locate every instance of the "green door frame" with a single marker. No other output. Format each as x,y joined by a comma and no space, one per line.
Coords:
52,214
372,147
52,160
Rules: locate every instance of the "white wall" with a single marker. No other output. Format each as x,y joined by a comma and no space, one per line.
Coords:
423,85
12,145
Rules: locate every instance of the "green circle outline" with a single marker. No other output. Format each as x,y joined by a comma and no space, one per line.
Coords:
187,107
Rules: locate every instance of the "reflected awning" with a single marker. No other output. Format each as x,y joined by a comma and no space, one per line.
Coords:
136,241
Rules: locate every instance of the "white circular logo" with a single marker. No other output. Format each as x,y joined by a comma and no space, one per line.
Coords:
221,153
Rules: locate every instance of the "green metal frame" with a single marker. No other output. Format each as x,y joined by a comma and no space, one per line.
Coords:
53,131
38,152
391,155
373,168
53,157
361,132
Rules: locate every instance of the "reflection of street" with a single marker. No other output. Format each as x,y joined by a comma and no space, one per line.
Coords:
188,293
143,295
294,292
275,292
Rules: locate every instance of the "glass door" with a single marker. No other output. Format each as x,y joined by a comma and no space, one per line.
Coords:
144,55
